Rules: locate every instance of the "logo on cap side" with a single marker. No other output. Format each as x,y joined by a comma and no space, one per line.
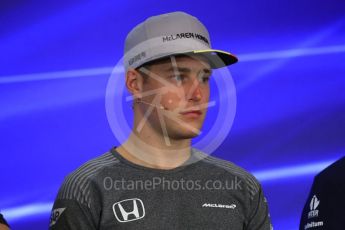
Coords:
137,57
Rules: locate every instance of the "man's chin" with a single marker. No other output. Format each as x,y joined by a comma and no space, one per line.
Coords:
184,135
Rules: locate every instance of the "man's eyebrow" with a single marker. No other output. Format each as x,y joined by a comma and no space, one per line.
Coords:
208,71
187,70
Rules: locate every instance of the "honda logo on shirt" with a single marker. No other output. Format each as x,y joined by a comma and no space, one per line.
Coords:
129,210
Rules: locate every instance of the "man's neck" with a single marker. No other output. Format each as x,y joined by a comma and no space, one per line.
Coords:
153,152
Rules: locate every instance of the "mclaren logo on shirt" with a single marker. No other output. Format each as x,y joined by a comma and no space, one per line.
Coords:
129,210
208,205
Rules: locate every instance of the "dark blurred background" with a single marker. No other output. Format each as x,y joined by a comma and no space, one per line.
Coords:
56,58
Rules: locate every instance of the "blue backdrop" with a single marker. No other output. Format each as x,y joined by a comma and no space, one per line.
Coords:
56,58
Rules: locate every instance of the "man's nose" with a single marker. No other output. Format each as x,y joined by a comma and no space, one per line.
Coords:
194,91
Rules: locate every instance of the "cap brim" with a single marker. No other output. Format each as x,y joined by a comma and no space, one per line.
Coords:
217,58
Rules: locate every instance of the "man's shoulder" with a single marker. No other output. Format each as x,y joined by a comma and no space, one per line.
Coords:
94,166
335,169
78,183
232,170
330,175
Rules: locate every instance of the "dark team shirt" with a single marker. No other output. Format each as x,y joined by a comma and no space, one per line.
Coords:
325,206
111,192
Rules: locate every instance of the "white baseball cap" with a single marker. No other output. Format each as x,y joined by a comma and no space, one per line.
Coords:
171,34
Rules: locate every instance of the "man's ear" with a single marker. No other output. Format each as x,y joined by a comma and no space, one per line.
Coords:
134,82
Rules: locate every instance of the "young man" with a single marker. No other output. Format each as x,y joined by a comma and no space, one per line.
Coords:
155,180
324,208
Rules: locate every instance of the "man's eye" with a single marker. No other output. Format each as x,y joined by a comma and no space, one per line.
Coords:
204,79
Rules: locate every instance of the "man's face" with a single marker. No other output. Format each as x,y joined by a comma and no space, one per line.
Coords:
181,86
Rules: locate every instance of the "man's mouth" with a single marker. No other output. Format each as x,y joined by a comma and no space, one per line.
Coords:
191,113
